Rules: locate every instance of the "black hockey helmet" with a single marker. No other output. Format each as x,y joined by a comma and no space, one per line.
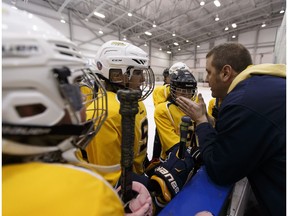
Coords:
183,83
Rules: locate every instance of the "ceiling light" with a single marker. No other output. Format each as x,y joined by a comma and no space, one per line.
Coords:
226,28
202,3
263,25
233,36
160,48
99,14
187,41
169,52
100,31
124,38
145,44
198,46
179,48
217,3
62,20
217,18
154,24
148,33
173,34
282,10
234,25
176,44
129,14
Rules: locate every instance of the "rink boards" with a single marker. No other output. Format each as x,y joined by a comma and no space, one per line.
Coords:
199,194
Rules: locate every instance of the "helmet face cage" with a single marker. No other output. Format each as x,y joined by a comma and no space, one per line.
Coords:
183,84
140,79
188,93
95,100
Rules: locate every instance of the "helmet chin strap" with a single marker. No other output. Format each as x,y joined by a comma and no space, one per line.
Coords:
37,153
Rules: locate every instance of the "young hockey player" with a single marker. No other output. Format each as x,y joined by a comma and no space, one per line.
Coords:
122,66
161,93
44,125
167,115
166,77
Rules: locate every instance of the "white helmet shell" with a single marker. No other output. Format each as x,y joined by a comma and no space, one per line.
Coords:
31,48
125,57
178,66
120,55
39,93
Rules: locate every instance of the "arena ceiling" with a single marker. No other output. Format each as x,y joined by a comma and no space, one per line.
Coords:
191,22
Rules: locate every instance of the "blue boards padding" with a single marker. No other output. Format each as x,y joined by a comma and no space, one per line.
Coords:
199,194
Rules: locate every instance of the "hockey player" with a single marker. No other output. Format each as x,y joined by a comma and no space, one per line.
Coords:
167,115
44,125
122,66
166,77
161,93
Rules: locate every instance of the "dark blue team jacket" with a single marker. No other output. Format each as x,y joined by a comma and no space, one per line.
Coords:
249,140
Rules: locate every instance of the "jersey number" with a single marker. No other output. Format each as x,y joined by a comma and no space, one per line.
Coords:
144,135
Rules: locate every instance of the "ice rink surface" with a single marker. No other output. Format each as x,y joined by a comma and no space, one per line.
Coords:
206,93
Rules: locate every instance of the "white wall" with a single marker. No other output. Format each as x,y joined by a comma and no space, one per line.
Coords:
260,42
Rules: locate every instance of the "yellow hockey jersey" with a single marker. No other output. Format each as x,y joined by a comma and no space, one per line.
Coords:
105,148
167,118
56,189
211,105
160,94
87,93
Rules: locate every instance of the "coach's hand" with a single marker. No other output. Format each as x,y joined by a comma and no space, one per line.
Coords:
171,175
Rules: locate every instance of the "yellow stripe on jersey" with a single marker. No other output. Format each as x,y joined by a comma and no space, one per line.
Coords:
56,189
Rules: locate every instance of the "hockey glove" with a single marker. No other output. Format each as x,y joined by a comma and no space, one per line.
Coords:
149,170
141,205
171,175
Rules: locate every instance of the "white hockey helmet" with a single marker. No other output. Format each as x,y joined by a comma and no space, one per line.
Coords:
42,108
178,65
126,60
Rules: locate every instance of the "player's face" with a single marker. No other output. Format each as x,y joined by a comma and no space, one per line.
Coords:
136,79
188,93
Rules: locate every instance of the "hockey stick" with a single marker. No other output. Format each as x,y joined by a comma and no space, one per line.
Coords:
185,124
128,109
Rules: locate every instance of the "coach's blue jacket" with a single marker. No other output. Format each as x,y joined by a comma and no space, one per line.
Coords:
249,138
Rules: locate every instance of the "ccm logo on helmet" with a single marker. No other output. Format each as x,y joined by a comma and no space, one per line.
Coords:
116,60
169,177
20,50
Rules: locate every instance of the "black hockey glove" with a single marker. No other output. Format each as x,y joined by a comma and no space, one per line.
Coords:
171,175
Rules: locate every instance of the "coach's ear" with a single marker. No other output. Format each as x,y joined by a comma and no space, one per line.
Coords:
227,74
